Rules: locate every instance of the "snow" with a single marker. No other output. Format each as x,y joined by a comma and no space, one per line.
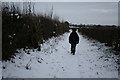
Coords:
16,14
18,17
10,36
92,60
14,34
11,14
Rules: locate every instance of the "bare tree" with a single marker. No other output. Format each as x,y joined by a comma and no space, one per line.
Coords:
33,8
51,13
29,8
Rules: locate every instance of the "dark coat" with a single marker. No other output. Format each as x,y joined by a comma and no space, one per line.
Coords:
73,38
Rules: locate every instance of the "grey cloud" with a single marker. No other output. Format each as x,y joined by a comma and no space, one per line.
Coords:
83,12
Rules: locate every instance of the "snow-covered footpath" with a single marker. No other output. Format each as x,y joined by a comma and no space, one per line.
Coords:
92,60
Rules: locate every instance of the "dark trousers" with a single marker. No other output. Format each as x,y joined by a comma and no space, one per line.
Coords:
73,48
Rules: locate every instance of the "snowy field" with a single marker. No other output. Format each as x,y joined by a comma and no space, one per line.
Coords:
92,60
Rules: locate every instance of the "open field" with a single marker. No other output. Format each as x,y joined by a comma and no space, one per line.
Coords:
108,35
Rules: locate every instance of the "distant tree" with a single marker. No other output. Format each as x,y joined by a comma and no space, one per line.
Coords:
67,22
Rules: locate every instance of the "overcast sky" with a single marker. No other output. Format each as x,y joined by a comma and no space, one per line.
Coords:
82,12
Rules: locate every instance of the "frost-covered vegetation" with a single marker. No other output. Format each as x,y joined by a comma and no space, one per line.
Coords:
26,29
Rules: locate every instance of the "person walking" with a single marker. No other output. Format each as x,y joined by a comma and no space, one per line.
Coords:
73,40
